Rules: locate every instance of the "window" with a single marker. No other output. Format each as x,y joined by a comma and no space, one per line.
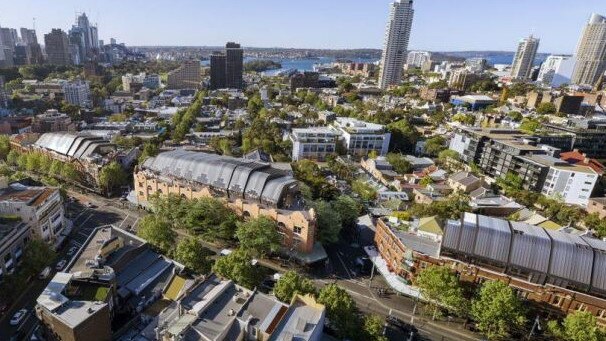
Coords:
557,301
297,230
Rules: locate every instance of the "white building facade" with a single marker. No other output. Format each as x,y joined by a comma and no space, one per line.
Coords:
77,93
360,138
573,184
314,143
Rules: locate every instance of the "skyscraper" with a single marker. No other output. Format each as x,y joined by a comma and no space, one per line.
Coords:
397,35
226,68
524,58
234,65
217,70
57,47
29,38
591,52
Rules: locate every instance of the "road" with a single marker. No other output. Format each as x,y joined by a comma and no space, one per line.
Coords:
341,260
339,269
85,220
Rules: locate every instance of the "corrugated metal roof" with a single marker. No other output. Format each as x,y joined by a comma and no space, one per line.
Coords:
256,180
493,239
571,257
530,247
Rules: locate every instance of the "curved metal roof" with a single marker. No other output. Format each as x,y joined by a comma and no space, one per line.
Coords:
240,177
68,144
560,255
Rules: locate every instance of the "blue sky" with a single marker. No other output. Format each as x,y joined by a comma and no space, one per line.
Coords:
439,25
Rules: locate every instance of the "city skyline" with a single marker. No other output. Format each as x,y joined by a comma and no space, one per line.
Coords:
445,28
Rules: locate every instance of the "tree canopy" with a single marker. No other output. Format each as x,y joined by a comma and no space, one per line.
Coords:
441,287
259,236
237,267
577,326
193,255
497,310
292,283
340,310
158,232
112,176
399,163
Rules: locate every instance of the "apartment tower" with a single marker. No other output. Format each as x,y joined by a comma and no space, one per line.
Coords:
397,35
591,52
524,58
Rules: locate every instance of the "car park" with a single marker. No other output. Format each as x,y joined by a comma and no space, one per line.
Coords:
18,317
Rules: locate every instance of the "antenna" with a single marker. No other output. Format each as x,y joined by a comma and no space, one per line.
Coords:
34,19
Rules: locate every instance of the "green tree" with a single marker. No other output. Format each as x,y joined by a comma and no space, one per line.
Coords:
158,232
112,176
546,108
329,223
404,136
237,267
340,310
193,255
373,328
441,287
292,283
5,146
364,190
577,326
529,125
434,145
149,149
347,209
515,116
37,255
259,236
497,310
399,163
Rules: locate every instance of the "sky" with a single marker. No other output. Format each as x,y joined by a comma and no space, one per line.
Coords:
438,25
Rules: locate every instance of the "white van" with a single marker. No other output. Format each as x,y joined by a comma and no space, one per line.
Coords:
44,274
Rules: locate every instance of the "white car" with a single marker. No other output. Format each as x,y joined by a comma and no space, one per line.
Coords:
18,317
60,265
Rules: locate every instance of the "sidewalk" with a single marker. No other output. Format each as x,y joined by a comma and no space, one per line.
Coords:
391,278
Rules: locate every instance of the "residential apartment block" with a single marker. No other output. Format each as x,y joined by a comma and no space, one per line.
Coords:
14,235
361,137
39,207
314,143
187,76
501,151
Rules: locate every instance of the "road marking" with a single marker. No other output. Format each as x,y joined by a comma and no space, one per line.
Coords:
85,220
29,314
83,234
127,215
344,266
81,213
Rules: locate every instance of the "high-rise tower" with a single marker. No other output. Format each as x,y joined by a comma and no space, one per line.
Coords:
591,52
524,58
397,35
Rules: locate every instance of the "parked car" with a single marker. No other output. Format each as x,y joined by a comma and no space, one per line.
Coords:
18,317
90,205
61,265
44,274
72,250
